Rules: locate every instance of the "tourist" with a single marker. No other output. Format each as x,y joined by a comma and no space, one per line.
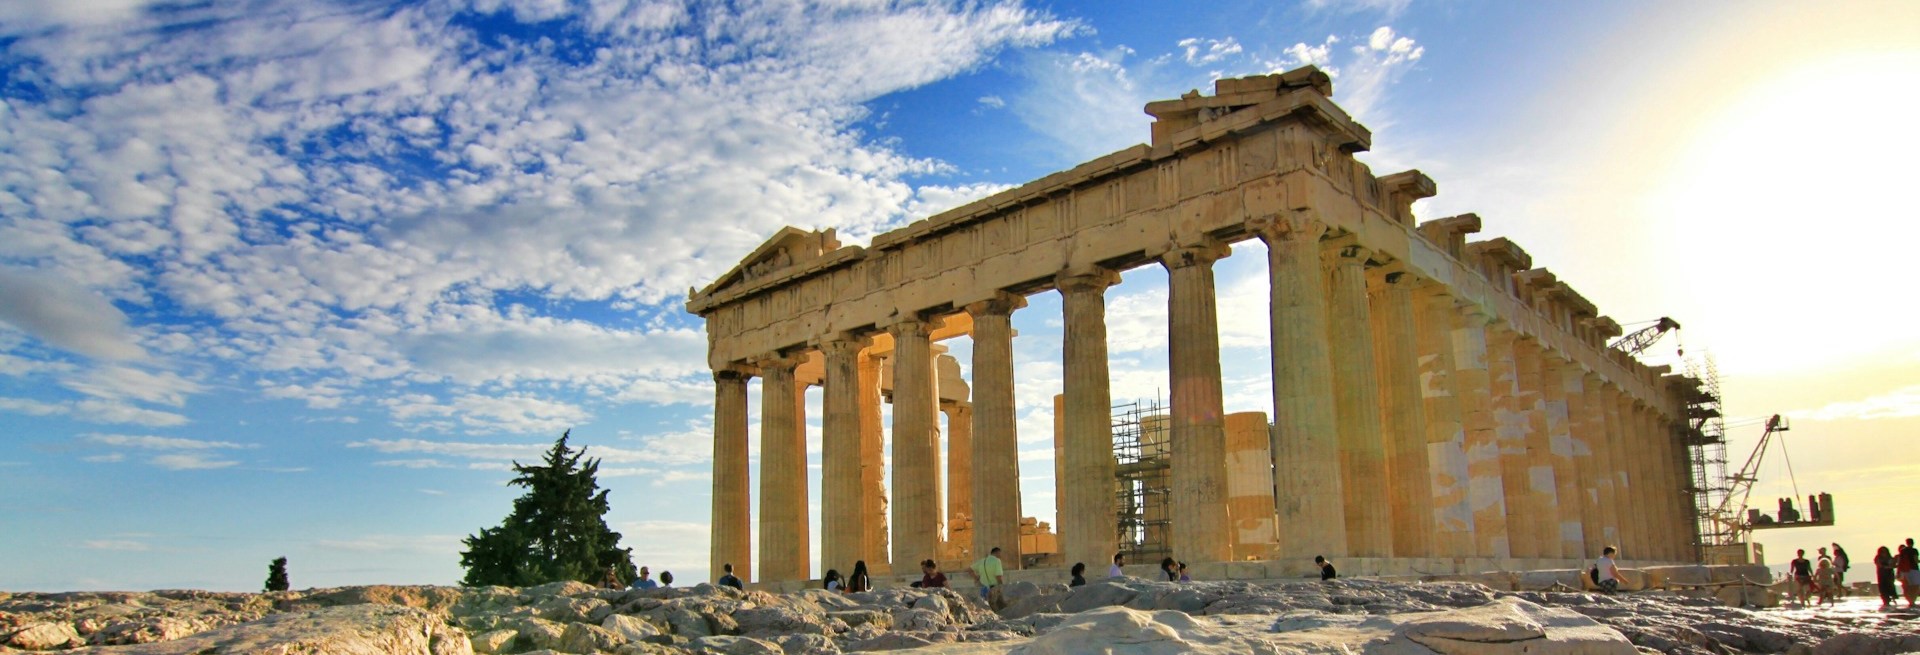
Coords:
728,580
930,576
1907,564
666,579
1802,572
832,581
1114,571
1609,571
859,581
1183,573
644,582
1326,568
988,570
1168,566
1883,576
1823,580
1841,565
1079,574
612,580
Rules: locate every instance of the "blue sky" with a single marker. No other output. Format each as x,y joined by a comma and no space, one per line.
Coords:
301,279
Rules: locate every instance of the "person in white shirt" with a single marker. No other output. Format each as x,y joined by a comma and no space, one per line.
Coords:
1609,571
1114,571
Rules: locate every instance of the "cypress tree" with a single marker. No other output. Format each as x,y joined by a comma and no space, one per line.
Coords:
277,575
556,531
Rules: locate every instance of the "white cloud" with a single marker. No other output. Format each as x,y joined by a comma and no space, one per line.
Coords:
107,458
514,413
190,462
992,102
432,544
1388,7
1200,52
129,383
125,545
64,315
94,411
1311,55
158,443
1898,403
32,407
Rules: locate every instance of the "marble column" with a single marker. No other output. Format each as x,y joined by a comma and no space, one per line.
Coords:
1603,471
1306,440
1198,438
1486,492
1088,525
1250,485
1510,419
959,463
916,510
1356,395
1567,490
732,526
1632,528
996,443
873,468
1542,487
1446,438
1580,430
842,519
1402,413
783,473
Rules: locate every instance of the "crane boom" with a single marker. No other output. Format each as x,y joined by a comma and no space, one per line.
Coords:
1640,340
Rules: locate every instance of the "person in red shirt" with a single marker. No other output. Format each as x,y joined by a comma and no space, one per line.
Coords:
930,576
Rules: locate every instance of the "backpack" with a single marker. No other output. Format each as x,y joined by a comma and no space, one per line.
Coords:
1594,573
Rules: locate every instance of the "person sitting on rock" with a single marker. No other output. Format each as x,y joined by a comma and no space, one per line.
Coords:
1326,568
729,580
1609,571
832,581
859,581
1079,574
1183,573
1171,568
1119,559
930,576
612,581
666,579
644,582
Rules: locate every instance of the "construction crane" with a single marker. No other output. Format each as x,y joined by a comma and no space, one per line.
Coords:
1640,340
1734,522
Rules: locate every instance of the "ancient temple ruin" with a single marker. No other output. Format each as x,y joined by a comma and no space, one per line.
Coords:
1435,399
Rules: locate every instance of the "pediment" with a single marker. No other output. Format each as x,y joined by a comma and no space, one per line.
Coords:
786,249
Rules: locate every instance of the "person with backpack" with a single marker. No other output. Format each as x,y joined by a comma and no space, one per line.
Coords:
1606,572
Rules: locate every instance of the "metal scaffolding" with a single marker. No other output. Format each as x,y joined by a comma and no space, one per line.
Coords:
1706,439
1141,484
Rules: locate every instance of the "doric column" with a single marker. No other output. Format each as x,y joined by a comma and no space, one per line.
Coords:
1356,396
996,449
1088,526
959,462
842,520
1510,419
732,531
1446,439
1486,492
1567,490
1198,439
916,512
1668,490
1600,472
1581,431
1306,439
1402,413
1250,485
1632,532
783,473
1542,487
873,468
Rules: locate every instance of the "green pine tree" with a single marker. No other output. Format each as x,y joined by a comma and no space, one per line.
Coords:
557,530
277,575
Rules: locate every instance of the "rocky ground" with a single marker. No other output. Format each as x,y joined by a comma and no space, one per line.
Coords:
1130,616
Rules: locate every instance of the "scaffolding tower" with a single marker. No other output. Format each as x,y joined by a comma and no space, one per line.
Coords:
1706,439
1141,480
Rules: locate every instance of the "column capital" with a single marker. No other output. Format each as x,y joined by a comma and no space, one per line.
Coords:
1206,253
1298,226
1002,303
1472,311
909,324
844,344
778,361
1344,250
733,373
1086,279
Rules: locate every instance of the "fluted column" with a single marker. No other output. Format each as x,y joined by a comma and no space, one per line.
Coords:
1250,485
873,468
1402,413
1199,439
842,521
1567,490
1486,491
1510,419
959,462
1542,487
1632,528
1446,438
1580,430
996,442
1307,491
783,474
916,512
1088,526
1356,395
732,524
1602,474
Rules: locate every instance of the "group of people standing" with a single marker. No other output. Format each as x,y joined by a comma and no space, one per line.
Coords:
1824,579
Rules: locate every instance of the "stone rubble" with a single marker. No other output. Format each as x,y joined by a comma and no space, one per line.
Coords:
1110,616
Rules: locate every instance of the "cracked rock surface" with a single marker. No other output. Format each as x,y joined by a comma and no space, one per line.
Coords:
1123,616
